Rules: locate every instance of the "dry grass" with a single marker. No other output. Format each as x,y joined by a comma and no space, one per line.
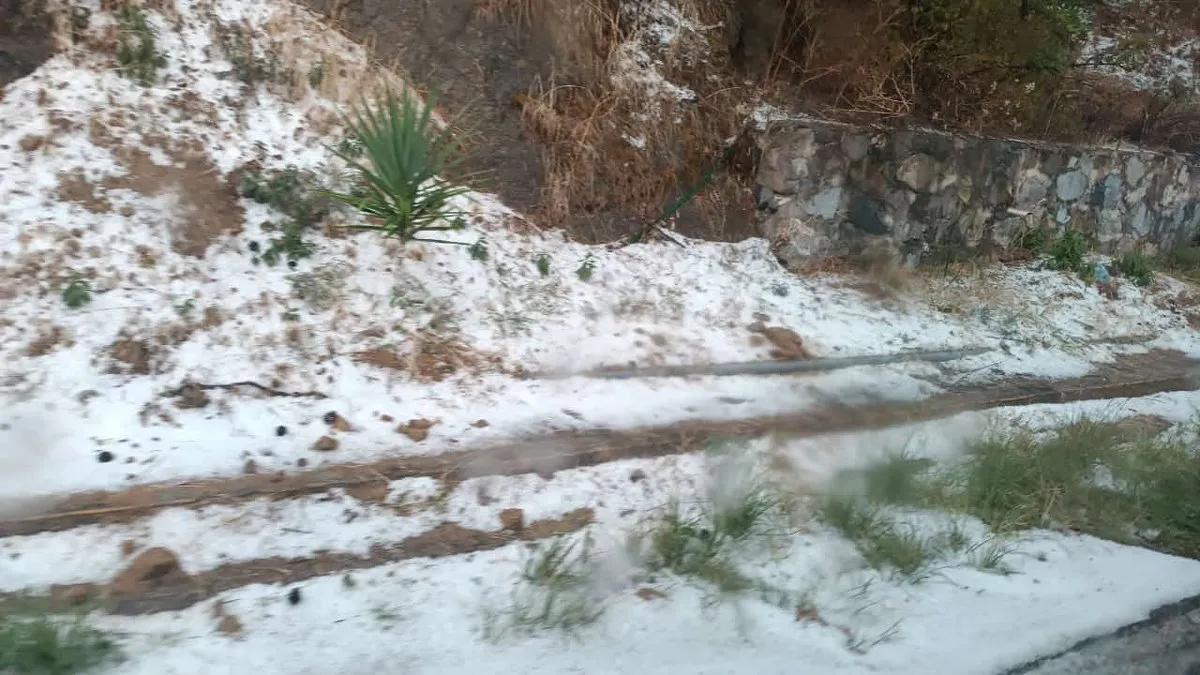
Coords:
615,141
971,73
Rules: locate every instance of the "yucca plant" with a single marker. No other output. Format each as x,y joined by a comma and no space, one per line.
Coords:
402,153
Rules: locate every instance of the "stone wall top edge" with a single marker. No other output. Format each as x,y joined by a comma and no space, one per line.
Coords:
802,122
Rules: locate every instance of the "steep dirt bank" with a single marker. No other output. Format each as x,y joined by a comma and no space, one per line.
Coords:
602,117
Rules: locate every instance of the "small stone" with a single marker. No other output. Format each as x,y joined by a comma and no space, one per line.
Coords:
292,264
417,429
72,594
293,596
787,345
254,247
280,430
325,444
647,593
31,143
302,462
191,396
154,568
128,547
250,467
637,475
479,424
512,520
337,422
330,417
387,419
104,457
229,625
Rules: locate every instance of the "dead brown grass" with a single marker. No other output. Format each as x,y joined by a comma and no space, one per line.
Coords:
617,154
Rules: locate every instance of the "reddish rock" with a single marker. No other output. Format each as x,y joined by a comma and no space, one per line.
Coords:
512,520
153,568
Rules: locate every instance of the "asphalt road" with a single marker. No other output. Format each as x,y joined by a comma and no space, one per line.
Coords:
1168,643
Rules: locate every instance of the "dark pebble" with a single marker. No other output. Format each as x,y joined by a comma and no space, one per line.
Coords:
280,430
292,264
294,596
105,457
330,417
254,247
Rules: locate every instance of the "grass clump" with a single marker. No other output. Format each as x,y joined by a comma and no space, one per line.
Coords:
33,642
1097,477
701,545
248,67
884,543
1136,266
403,154
586,268
137,49
290,192
1067,252
555,591
77,292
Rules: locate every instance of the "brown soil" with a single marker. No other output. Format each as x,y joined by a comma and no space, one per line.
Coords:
175,592
475,65
74,187
1139,375
25,38
207,207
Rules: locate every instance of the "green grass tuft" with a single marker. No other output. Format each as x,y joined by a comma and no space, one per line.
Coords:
77,292
1067,252
884,543
137,49
555,591
1089,476
33,642
1137,267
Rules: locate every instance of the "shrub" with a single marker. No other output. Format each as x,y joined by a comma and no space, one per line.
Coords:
1137,266
137,51
1067,252
77,292
403,155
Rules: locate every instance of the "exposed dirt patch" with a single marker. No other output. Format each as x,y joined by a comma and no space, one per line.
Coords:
206,207
476,64
26,40
173,592
47,341
433,357
786,344
131,356
75,187
382,358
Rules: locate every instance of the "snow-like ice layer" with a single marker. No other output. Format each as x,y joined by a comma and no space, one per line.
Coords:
207,537
646,304
426,618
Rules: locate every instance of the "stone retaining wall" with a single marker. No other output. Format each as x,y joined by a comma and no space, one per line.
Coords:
827,189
